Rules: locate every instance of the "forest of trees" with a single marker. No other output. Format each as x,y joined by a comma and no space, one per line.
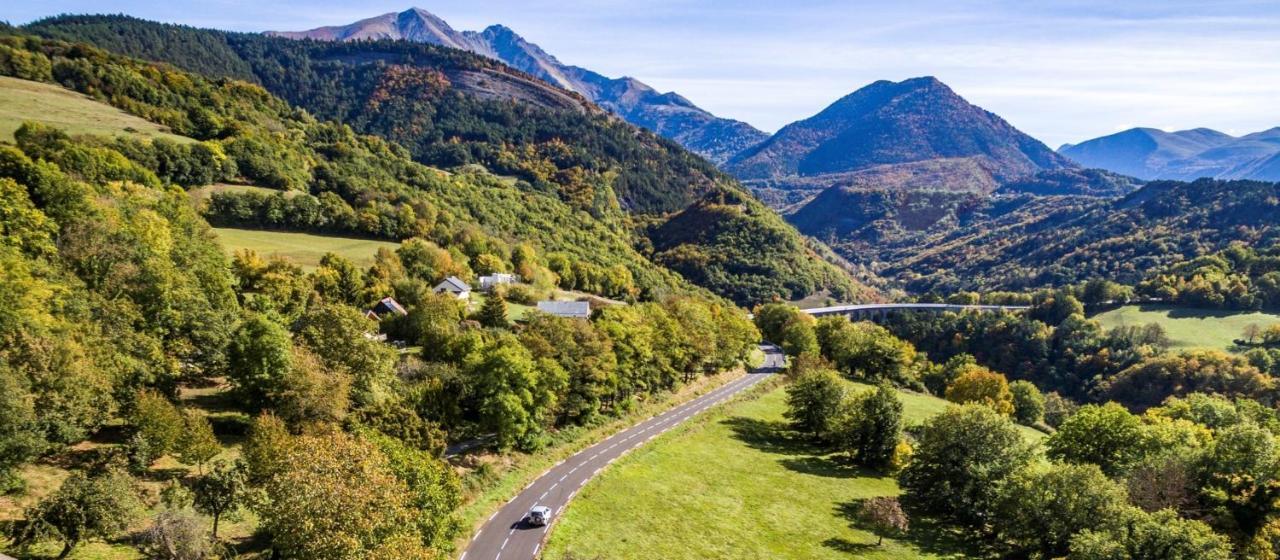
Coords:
947,242
1238,277
116,297
1185,468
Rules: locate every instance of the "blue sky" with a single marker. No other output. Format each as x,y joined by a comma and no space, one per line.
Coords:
1061,70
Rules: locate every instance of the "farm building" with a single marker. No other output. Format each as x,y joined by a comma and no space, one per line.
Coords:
572,309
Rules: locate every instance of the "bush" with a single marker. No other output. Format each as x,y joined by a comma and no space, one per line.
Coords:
179,535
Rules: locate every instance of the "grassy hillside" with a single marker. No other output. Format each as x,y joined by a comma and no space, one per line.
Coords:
1189,327
737,484
303,249
25,100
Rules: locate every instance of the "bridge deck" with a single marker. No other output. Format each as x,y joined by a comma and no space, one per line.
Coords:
887,307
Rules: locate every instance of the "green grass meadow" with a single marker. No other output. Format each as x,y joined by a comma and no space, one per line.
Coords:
1190,328
736,483
303,249
23,100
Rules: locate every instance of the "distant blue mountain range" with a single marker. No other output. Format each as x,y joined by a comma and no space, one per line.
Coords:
1148,153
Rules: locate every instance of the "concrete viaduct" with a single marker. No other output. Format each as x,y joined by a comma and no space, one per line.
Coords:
872,311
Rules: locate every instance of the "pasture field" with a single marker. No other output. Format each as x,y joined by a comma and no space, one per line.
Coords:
1190,328
200,194
24,100
303,249
737,484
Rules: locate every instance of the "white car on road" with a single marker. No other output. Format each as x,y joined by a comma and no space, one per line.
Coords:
539,515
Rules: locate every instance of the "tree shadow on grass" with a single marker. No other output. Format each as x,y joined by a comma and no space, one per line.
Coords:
771,437
847,546
830,466
220,399
925,533
805,455
1176,312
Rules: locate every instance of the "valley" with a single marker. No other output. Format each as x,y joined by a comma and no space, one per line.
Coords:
394,290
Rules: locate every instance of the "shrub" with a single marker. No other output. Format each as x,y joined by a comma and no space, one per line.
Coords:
179,535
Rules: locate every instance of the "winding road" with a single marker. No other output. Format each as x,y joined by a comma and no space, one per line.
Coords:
505,535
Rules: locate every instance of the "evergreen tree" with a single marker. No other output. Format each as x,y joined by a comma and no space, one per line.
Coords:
493,313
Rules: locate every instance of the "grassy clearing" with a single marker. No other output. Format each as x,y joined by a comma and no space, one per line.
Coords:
23,100
515,311
200,194
303,249
1189,328
737,484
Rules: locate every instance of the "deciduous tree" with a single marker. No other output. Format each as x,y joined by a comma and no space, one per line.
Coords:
813,400
982,386
85,507
885,516
961,459
219,492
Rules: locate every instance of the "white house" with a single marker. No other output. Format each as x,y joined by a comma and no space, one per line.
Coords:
455,287
571,309
488,283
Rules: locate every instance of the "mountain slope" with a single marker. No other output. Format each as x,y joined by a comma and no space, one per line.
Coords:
1148,153
449,108
668,114
914,120
1029,242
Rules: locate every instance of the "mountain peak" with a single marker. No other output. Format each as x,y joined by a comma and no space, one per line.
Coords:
667,114
886,122
498,29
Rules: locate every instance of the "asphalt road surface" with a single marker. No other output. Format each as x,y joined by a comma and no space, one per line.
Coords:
506,535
